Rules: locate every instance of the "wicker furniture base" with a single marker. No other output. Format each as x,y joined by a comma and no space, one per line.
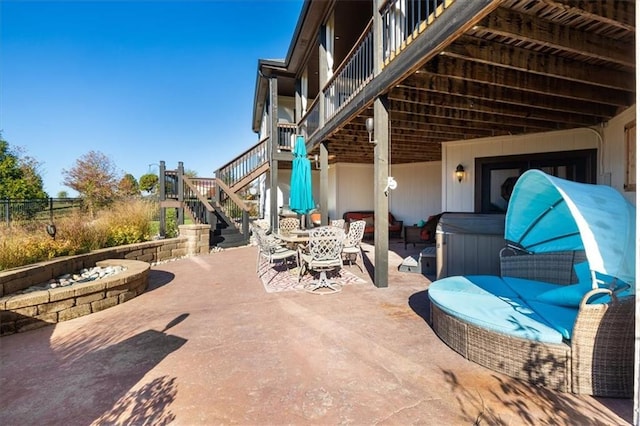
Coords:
602,343
541,364
602,347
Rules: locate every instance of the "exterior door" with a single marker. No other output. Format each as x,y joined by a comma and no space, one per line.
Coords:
496,176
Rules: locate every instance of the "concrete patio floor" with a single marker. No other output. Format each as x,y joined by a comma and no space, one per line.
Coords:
207,345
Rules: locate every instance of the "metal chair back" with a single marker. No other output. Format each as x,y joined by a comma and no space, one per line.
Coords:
355,234
288,224
325,243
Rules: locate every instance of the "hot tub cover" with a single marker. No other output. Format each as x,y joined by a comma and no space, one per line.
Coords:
548,214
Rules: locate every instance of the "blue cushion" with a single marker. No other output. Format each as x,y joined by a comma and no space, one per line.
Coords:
484,284
470,298
583,272
565,295
528,289
622,290
561,318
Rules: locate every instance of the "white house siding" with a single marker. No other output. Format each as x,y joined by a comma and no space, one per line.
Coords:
417,195
459,196
428,188
284,185
614,157
353,188
286,108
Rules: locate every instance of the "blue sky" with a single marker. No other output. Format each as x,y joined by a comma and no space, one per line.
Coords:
138,81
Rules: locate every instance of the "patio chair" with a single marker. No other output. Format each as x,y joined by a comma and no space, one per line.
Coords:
288,224
352,250
322,254
339,223
271,248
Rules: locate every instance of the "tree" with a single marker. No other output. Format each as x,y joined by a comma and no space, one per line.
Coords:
94,177
63,194
128,186
149,183
19,175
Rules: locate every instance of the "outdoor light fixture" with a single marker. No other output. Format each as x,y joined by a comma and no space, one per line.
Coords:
391,184
51,230
369,124
460,172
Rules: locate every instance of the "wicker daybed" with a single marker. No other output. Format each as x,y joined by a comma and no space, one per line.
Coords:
597,360
562,312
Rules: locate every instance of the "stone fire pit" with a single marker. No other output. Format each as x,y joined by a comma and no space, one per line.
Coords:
59,300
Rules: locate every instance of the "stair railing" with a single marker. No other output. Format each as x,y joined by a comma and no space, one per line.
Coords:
235,170
233,206
199,193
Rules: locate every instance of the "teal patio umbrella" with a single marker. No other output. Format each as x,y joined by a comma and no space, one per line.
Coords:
300,196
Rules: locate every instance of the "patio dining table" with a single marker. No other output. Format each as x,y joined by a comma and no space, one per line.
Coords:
295,237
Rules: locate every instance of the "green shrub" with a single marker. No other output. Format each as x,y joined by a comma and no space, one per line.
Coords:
171,223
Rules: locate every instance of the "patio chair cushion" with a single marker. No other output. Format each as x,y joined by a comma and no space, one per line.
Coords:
561,318
488,302
529,289
572,295
565,295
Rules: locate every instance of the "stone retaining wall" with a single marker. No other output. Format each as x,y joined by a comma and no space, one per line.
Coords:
20,312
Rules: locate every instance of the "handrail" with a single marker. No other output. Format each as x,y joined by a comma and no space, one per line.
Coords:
237,200
347,58
197,193
261,141
243,164
311,120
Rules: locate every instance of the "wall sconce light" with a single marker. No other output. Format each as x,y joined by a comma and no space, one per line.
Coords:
460,172
369,124
316,158
391,184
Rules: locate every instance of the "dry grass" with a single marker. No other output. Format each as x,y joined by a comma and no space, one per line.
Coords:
125,222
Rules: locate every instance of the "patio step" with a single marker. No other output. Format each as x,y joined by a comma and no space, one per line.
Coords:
228,237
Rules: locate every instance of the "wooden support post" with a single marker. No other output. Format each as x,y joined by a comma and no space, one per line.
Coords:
180,193
381,161
381,200
162,196
324,184
273,142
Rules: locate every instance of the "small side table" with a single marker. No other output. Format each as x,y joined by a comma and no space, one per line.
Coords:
412,235
427,260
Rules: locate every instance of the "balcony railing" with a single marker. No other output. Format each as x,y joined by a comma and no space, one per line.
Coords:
286,136
351,76
311,120
170,184
404,20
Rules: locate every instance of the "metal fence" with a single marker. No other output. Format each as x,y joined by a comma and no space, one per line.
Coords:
37,209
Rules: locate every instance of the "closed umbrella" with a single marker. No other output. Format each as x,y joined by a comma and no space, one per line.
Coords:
300,197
